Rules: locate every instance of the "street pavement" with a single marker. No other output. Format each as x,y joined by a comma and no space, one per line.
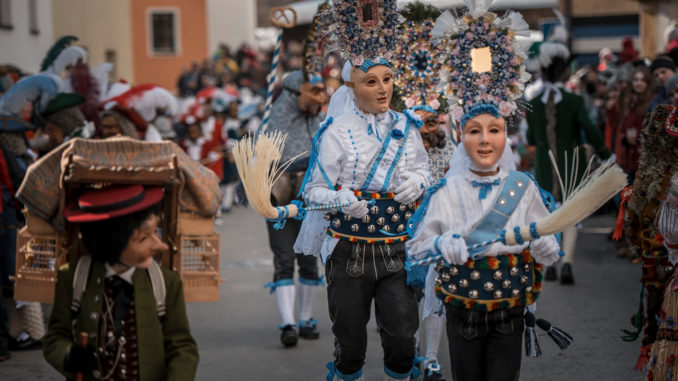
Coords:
239,339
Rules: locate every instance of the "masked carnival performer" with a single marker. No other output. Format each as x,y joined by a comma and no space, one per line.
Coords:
417,64
485,290
371,160
297,113
643,227
556,120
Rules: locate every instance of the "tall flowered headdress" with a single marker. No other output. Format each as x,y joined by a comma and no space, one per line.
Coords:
316,41
365,32
418,60
486,74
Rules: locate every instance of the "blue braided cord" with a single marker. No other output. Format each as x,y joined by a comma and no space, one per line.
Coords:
308,323
424,107
423,207
435,245
399,153
301,214
414,118
313,159
479,109
396,375
533,230
377,161
484,187
313,282
519,238
279,283
367,64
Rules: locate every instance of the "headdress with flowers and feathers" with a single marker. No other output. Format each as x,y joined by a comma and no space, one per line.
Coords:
497,89
146,99
38,89
316,38
418,59
555,44
365,32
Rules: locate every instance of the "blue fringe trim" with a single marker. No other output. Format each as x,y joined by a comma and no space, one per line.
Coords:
397,376
279,283
416,275
479,109
345,377
313,282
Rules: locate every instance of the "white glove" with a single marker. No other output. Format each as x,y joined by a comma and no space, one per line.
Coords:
453,248
410,190
357,209
545,250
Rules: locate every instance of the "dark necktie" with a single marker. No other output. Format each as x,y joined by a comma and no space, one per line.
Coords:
123,294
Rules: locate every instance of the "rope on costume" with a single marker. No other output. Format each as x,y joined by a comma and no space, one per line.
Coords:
279,222
271,82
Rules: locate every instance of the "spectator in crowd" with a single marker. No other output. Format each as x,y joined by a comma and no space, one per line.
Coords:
662,69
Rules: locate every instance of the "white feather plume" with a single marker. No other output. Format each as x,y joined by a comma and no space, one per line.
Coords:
559,32
478,7
518,24
117,88
151,100
550,50
100,74
68,56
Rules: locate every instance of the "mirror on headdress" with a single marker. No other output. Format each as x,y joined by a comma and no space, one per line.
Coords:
481,60
367,11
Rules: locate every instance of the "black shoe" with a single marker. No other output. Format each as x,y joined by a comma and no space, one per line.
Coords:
24,343
551,273
432,372
566,276
5,356
308,329
288,336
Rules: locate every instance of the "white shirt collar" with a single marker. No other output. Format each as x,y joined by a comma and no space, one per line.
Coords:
126,275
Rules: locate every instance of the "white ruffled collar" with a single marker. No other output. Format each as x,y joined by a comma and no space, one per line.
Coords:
471,176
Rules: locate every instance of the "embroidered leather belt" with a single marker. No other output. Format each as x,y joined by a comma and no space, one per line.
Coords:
384,223
667,334
490,283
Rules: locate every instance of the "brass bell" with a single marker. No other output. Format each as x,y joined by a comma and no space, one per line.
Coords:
497,275
488,286
439,266
366,219
513,271
523,279
463,283
439,282
355,228
445,276
347,217
473,294
390,209
454,270
452,287
526,267
336,223
381,221
327,216
395,218
386,228
475,275
402,207
528,289
374,209
515,293
506,284
497,294
371,229
408,215
400,228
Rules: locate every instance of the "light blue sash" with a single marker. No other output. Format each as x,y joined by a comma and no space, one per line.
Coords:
494,221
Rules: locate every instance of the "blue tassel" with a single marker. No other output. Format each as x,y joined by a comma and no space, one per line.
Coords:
416,275
332,371
532,348
302,211
313,159
416,372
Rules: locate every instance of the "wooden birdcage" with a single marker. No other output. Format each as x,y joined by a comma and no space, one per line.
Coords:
193,244
40,252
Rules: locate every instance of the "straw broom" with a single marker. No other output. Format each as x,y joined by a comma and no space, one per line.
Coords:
258,163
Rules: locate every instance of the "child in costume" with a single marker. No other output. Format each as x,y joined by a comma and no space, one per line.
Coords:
130,336
487,289
372,159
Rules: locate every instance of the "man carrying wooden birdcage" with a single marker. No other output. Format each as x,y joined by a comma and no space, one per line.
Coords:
132,310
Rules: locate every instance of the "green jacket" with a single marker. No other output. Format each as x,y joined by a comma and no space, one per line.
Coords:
167,351
571,119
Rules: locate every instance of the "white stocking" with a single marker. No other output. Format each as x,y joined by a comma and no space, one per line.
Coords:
569,243
434,326
306,295
285,297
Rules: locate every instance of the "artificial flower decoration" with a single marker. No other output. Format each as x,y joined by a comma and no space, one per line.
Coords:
485,60
417,64
364,29
316,40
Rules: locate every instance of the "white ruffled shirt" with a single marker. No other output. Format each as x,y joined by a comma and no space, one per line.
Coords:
346,153
456,208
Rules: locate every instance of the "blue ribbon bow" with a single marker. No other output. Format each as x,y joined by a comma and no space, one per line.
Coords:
484,187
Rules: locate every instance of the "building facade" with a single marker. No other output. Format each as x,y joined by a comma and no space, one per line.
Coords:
25,32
